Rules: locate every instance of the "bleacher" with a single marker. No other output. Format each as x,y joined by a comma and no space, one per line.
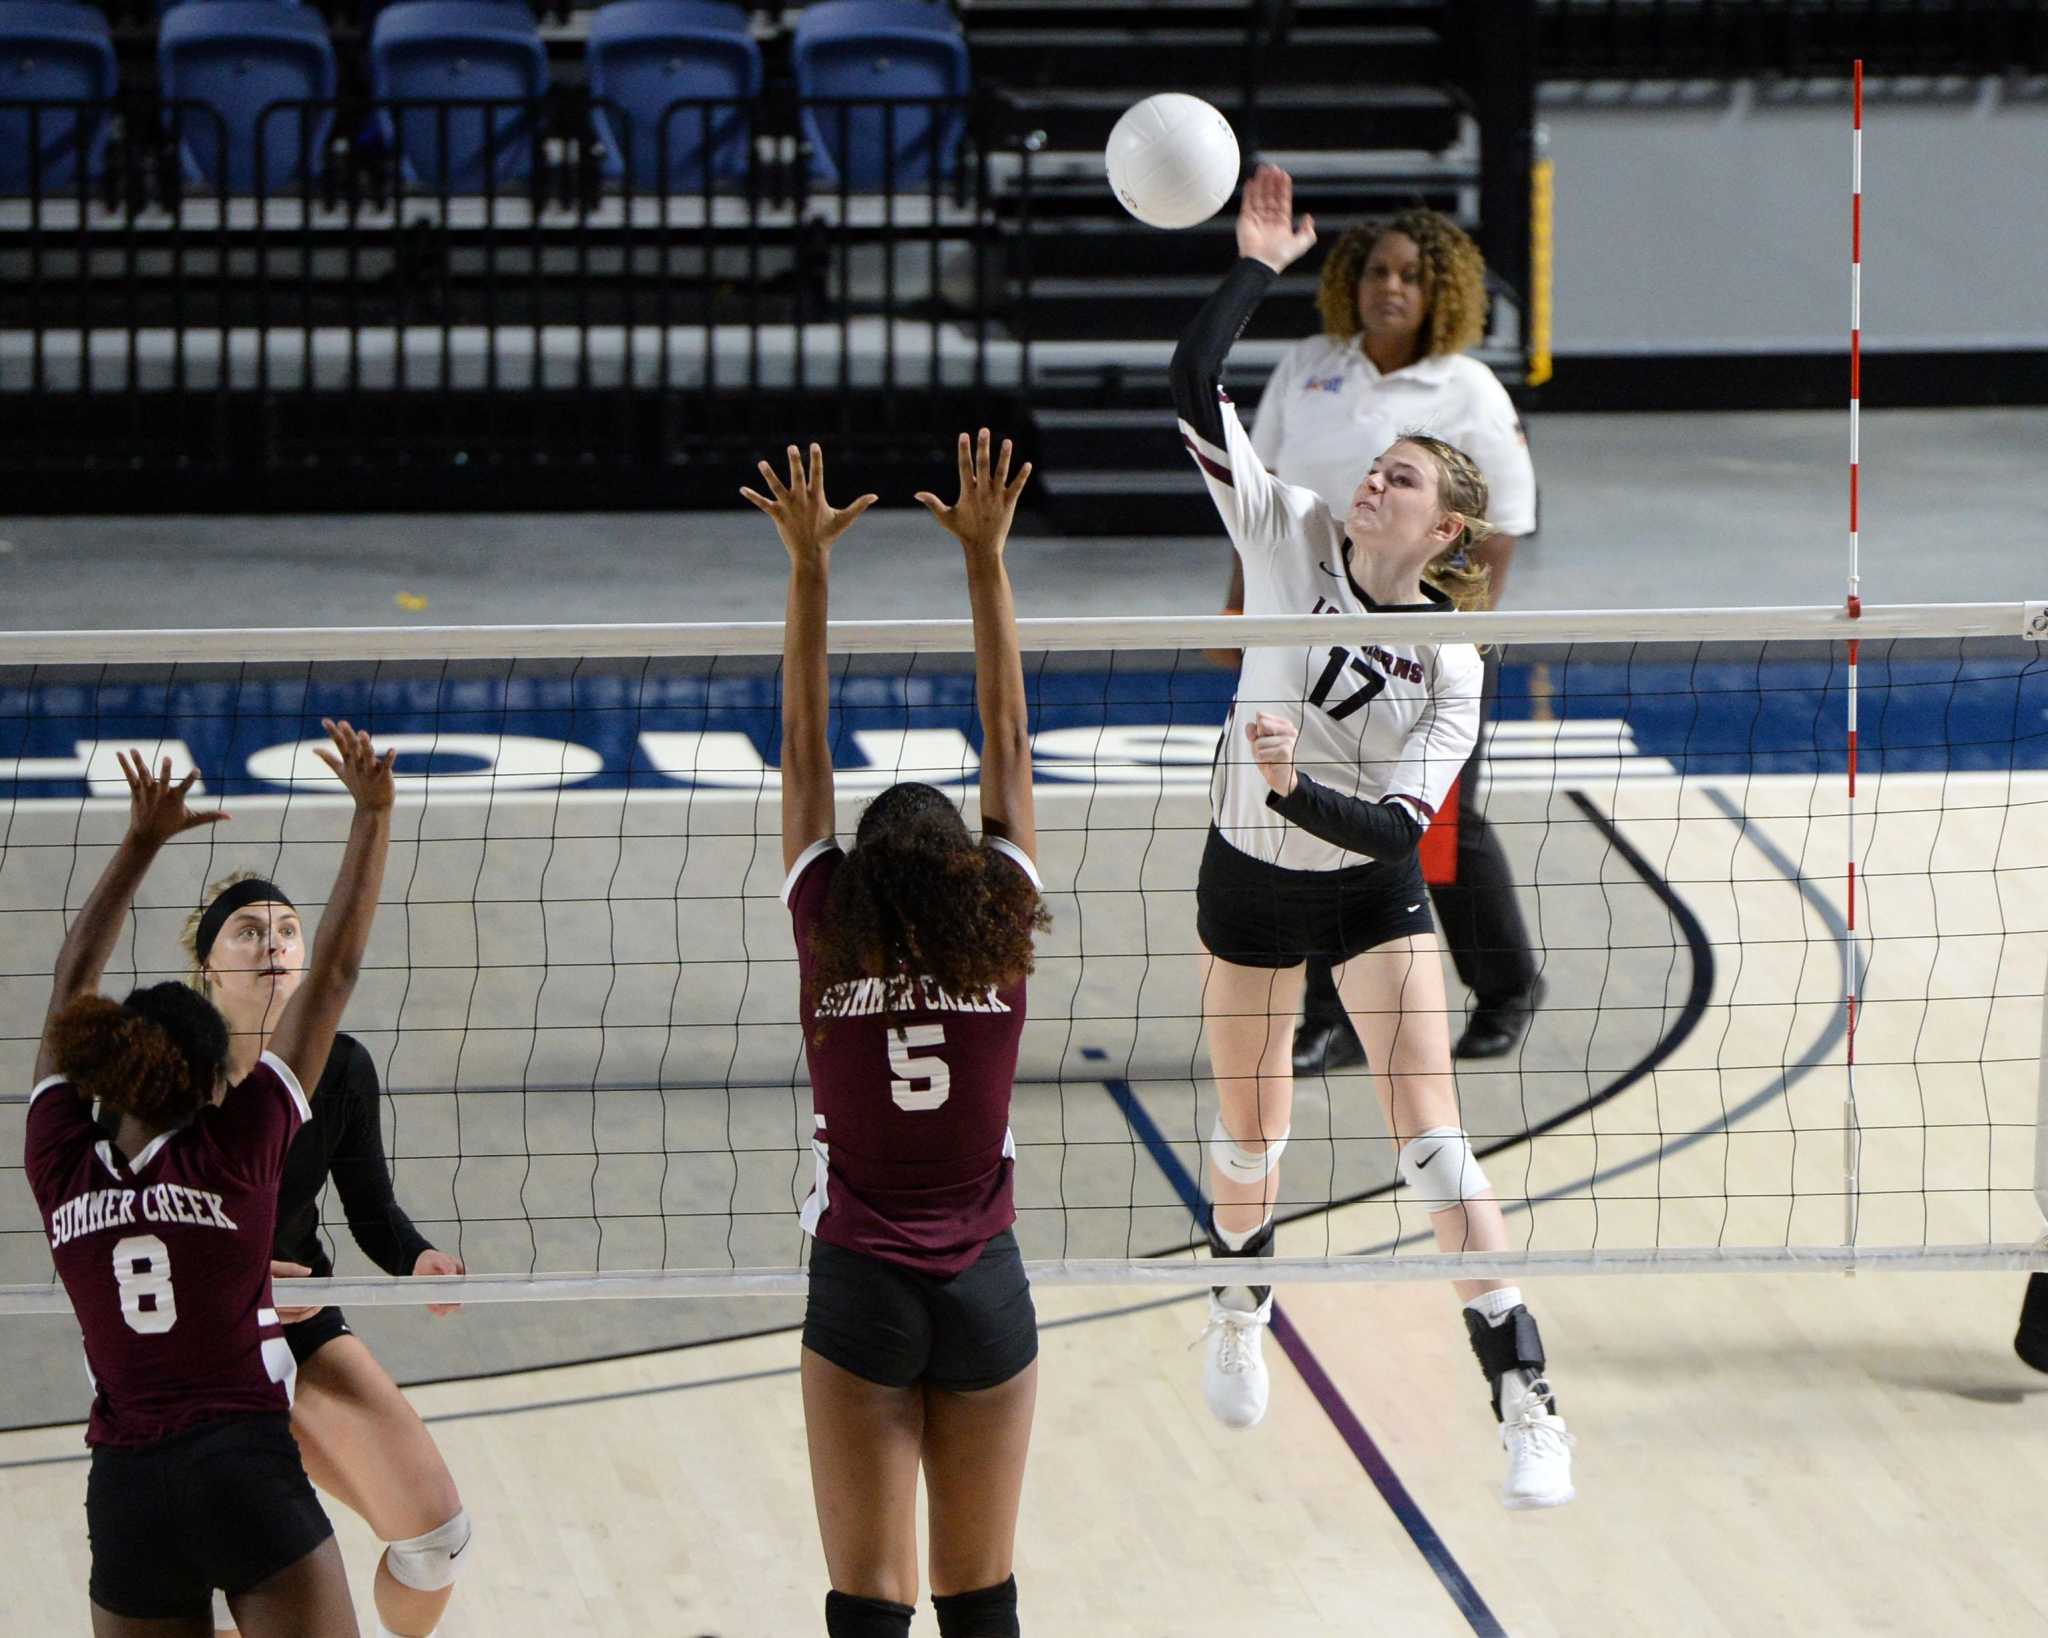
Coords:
455,253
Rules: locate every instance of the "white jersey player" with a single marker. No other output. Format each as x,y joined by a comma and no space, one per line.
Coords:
1333,762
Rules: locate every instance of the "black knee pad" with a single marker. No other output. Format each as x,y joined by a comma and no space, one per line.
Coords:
1259,1245
2031,1344
849,1617
988,1612
1513,1345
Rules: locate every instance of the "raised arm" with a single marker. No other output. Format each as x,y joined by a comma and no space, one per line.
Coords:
808,525
980,521
305,1030
156,813
1254,504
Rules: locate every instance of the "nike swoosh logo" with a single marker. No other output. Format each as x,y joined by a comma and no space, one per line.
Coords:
1412,908
1332,573
1432,1155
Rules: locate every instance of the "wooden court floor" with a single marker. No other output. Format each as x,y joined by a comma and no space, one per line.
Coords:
1757,1454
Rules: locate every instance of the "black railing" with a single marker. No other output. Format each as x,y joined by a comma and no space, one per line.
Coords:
1662,39
487,284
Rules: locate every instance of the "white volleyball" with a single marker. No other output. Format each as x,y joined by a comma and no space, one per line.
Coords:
1172,160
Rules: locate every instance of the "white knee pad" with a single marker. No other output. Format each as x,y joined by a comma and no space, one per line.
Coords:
1442,1169
223,1617
430,1562
1239,1164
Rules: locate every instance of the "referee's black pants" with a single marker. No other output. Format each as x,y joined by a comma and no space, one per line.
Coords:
1479,914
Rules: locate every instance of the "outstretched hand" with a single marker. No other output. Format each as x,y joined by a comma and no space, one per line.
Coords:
367,775
156,803
980,518
1266,228
806,521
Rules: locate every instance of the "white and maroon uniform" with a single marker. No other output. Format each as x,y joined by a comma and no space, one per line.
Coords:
166,1258
912,1144
1378,721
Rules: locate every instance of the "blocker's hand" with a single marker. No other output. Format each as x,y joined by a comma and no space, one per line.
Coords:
980,519
431,1262
1266,229
367,775
806,521
156,802
292,1271
1272,739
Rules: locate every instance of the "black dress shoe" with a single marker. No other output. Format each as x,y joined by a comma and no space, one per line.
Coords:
1322,1046
2032,1342
1496,1028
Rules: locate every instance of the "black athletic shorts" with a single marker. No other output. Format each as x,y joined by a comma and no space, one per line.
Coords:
894,1326
1261,915
225,1505
309,1336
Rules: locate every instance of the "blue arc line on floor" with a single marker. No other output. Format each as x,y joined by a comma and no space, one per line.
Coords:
1407,1512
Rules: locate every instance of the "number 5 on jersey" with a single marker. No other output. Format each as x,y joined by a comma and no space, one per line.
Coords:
912,1068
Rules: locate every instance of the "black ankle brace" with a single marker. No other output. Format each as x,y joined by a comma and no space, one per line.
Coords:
1512,1345
987,1612
1259,1245
849,1617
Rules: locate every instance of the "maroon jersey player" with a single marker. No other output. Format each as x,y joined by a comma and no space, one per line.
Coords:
920,1341
162,1235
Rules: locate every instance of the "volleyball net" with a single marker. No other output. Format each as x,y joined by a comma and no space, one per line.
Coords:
581,993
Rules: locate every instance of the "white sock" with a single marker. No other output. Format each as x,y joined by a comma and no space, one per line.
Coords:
1495,1306
385,1632
1238,1239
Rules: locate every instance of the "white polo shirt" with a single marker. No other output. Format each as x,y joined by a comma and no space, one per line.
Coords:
1327,413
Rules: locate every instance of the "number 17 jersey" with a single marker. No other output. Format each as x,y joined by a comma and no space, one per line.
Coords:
1380,720
912,1148
166,1258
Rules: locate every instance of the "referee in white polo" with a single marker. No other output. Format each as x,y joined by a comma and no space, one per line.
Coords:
1402,299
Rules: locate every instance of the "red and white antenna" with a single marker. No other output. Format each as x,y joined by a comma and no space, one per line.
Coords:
1852,1137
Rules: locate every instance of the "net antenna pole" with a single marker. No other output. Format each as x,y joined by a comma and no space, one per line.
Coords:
1852,1137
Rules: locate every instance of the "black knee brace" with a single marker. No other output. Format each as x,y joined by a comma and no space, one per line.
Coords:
989,1612
2031,1343
1259,1245
1512,1345
849,1617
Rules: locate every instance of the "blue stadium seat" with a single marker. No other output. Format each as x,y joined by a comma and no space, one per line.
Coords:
880,49
163,6
237,58
645,56
460,51
52,51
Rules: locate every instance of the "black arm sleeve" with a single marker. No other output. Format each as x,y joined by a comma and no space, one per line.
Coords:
1197,367
362,1176
1379,830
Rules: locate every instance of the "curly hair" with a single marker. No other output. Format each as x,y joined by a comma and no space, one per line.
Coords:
157,1055
1461,488
1453,280
918,899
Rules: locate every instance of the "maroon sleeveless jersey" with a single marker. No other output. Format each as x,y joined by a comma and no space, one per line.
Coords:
912,1145
167,1258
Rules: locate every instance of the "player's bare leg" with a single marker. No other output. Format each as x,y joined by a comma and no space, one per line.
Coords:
366,1446
1248,1020
1395,995
308,1599
974,1450
864,1441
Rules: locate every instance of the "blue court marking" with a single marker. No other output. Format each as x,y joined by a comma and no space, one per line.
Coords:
1406,1510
